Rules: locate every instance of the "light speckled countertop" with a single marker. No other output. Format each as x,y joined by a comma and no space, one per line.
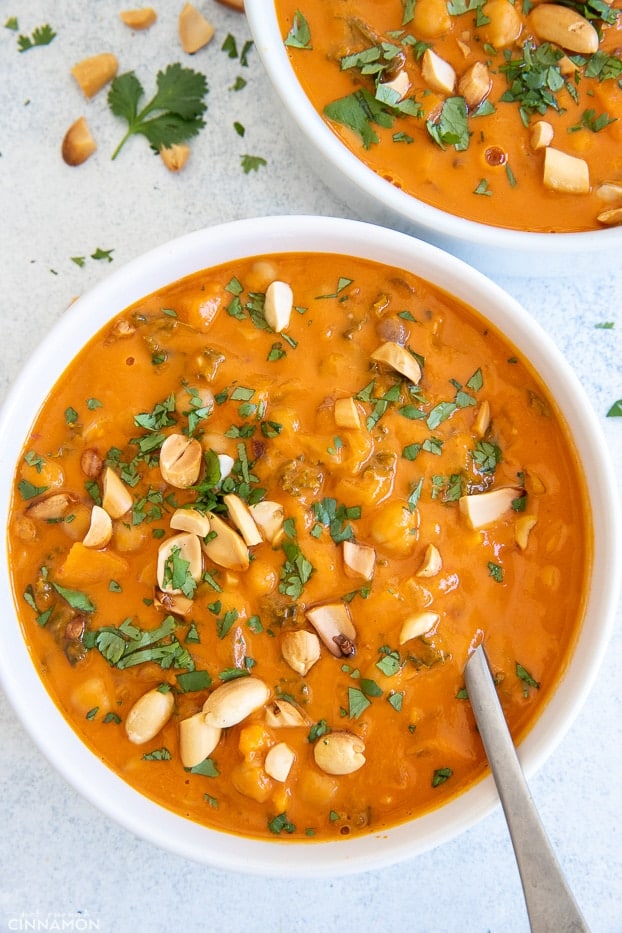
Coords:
64,865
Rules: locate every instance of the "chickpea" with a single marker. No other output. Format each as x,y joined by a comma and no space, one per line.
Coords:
431,19
505,24
394,529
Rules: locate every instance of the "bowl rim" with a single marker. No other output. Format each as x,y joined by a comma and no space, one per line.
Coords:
282,234
263,23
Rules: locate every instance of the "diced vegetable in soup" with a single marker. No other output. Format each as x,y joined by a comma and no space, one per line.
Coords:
259,523
504,113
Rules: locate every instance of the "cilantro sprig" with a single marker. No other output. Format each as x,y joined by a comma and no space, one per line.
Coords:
172,116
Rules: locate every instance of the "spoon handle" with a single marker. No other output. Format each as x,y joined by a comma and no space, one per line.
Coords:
550,904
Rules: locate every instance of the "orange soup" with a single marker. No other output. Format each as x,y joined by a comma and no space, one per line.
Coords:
502,113
261,520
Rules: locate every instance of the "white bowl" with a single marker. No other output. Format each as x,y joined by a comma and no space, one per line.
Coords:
493,250
213,246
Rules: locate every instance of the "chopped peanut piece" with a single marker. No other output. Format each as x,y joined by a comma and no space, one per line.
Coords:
234,700
278,305
50,508
482,419
188,548
227,547
241,516
610,218
398,357
100,528
333,624
347,414
437,73
339,753
139,19
175,156
610,191
359,560
475,84
541,134
279,761
78,143
522,529
190,520
233,4
484,508
269,518
432,562
92,74
418,624
197,740
281,713
116,497
195,31
180,460
175,603
400,84
563,172
301,650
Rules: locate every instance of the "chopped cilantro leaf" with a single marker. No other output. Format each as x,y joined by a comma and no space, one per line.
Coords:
440,776
42,35
299,36
251,163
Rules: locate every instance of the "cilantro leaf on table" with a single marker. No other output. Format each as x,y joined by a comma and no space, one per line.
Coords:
42,35
172,116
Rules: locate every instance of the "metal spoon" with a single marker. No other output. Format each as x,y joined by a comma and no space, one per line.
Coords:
550,904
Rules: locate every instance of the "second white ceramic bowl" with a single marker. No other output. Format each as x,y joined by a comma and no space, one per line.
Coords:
493,250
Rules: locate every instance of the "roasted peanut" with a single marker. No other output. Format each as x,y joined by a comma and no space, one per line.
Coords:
180,460
194,30
418,624
234,701
301,650
197,523
339,753
197,740
78,143
242,518
139,19
484,508
563,172
148,715
282,713
432,562
175,156
278,305
399,359
279,761
359,560
333,624
188,548
564,27
226,548
100,528
92,74
116,497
